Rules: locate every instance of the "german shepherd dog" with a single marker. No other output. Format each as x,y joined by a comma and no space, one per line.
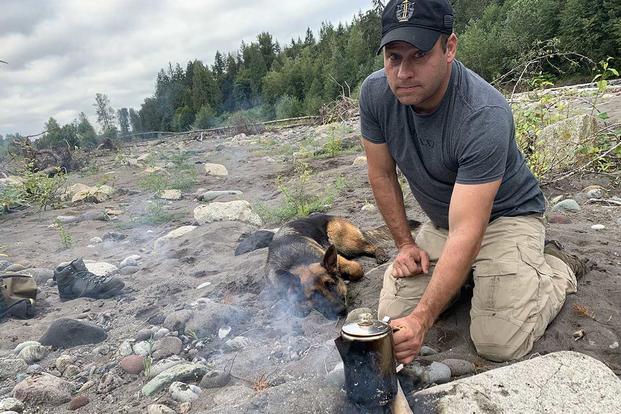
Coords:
309,259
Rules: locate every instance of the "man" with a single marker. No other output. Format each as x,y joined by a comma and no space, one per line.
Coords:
452,136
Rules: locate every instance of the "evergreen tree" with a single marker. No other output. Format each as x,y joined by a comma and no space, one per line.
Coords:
87,136
135,121
124,122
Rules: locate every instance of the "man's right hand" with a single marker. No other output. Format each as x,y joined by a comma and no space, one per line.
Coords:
410,261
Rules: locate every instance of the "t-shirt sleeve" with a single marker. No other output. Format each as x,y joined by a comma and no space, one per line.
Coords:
483,144
369,119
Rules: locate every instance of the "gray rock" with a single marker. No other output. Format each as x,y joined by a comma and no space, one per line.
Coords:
102,350
71,371
126,348
43,389
560,382
23,345
40,274
598,227
182,392
144,334
94,215
63,361
566,205
163,365
33,353
182,372
212,195
67,219
167,346
11,404
619,221
34,369
10,367
143,348
239,210
439,373
238,343
129,270
129,261
177,320
113,236
215,379
210,316
9,412
459,367
95,240
160,333
17,267
160,409
67,333
4,264
336,377
426,351
109,382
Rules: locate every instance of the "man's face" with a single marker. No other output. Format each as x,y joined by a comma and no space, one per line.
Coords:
418,78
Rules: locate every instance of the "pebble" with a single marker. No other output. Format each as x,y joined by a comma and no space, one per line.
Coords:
223,332
34,369
95,240
144,334
67,333
71,371
176,321
163,365
142,348
184,408
64,361
182,392
212,195
129,261
125,348
439,373
102,350
459,367
132,364
78,401
43,389
109,382
238,343
87,385
181,372
556,199
11,404
16,267
170,195
215,379
598,227
167,346
23,345
426,351
619,221
113,236
67,219
360,161
160,409
203,285
4,264
369,207
129,270
34,353
594,191
160,333
566,205
336,377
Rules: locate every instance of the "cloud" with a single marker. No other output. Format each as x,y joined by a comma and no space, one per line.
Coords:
61,53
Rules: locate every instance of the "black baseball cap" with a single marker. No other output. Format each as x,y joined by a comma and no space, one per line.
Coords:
418,22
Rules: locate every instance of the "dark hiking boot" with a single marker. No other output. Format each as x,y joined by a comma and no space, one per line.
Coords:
74,281
579,266
22,309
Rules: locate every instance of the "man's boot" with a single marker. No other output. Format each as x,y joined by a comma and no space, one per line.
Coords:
74,281
579,266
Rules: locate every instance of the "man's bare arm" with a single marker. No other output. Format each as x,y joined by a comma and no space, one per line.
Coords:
469,214
389,198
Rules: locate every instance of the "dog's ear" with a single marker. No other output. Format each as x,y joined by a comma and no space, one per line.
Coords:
330,262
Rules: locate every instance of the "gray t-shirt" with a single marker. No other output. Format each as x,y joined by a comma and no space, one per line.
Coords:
468,139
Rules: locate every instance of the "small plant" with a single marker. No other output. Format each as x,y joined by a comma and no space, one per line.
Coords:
604,73
41,190
261,383
65,238
154,214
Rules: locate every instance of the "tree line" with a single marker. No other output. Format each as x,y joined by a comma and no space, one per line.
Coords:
265,80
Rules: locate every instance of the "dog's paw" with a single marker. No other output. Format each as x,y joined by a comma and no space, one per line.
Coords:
381,256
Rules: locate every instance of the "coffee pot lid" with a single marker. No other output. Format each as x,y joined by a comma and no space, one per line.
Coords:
366,326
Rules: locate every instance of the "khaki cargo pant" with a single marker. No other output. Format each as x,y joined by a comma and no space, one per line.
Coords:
518,290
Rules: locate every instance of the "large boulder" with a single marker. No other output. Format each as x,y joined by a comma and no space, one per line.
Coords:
43,389
561,382
558,143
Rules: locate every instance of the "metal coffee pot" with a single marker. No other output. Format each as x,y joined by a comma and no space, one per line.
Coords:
366,347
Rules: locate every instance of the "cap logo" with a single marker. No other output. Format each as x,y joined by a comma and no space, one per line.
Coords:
405,10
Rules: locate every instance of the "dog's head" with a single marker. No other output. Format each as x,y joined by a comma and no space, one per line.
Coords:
318,286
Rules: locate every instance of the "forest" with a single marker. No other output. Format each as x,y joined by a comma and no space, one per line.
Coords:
529,42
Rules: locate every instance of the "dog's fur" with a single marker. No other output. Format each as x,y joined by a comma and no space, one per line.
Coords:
308,259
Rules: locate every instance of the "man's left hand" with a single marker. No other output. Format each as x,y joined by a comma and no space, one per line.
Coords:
408,339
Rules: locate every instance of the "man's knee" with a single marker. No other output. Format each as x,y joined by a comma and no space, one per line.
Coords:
400,296
499,339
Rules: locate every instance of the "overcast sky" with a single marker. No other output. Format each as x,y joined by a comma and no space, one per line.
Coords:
60,53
